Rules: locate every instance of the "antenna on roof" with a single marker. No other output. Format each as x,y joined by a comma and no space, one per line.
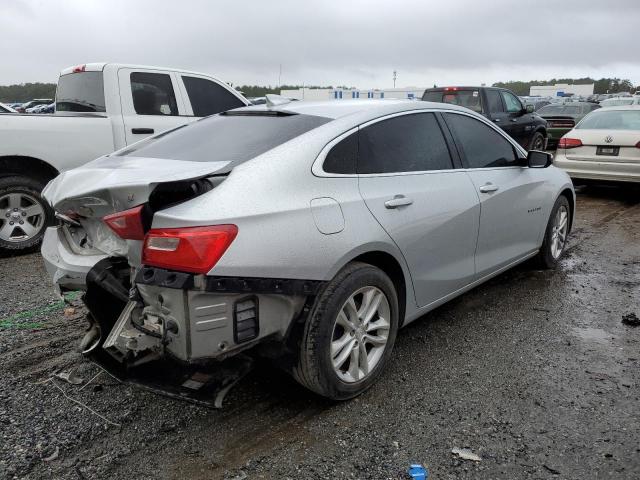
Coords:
274,100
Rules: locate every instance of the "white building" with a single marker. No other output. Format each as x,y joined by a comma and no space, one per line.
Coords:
343,94
560,90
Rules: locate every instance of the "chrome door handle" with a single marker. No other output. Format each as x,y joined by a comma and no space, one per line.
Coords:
496,119
488,188
398,201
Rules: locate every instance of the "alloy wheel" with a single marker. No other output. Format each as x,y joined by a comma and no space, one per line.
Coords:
559,231
21,217
360,334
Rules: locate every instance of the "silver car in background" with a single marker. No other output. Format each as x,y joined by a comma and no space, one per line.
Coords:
309,232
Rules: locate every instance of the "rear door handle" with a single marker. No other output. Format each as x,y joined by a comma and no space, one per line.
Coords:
141,131
488,188
398,201
496,119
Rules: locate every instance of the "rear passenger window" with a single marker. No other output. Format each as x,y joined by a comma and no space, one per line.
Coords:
342,156
495,103
153,94
208,98
483,147
408,143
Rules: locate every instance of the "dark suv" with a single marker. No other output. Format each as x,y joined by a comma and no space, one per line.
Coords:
500,106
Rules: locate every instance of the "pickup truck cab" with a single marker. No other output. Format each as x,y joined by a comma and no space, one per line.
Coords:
100,108
502,107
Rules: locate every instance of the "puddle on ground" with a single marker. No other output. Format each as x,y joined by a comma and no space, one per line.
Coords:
570,263
595,335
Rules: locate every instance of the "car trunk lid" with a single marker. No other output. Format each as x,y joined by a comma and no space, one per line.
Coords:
613,146
85,195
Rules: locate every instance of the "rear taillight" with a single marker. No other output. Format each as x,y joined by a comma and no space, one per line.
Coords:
127,224
569,143
189,249
638,145
561,124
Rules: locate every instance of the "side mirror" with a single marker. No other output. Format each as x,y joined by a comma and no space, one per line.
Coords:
538,159
529,108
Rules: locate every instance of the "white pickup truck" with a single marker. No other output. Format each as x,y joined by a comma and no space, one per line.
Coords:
100,107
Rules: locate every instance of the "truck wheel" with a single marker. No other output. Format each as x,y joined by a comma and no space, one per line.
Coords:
537,142
349,334
24,215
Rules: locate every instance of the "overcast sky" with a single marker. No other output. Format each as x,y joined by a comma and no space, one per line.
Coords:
338,42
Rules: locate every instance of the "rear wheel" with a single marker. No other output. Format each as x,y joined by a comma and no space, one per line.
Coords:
555,238
24,215
349,334
537,142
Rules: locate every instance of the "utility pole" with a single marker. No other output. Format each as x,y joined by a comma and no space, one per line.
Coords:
395,75
280,77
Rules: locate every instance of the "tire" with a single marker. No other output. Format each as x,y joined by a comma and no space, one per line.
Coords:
314,367
537,142
20,196
548,256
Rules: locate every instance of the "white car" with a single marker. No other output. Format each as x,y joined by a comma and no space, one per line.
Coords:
605,145
6,109
619,101
99,108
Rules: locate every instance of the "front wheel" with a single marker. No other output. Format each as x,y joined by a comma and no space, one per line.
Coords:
555,237
349,334
24,215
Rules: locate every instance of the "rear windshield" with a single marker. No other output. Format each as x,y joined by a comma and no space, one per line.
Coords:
611,120
464,98
560,110
226,137
80,92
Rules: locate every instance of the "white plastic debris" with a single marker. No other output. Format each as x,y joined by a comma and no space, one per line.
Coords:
69,377
466,454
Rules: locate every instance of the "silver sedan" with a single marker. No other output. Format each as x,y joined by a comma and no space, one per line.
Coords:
308,232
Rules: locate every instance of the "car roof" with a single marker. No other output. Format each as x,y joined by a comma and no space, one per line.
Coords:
619,107
335,109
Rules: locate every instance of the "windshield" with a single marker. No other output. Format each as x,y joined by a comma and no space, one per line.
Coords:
560,110
80,92
464,98
611,120
228,137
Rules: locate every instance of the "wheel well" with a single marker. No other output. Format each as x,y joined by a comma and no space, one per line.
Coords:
572,207
28,166
389,265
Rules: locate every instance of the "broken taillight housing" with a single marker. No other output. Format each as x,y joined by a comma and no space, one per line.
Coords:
569,142
127,224
188,249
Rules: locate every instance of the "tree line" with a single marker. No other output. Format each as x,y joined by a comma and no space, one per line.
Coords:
28,91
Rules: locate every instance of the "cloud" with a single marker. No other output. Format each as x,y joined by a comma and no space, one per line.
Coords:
334,42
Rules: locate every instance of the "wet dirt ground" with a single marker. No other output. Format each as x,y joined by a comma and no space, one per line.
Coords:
533,371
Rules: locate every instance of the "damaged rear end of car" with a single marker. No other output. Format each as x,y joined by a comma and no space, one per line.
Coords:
157,315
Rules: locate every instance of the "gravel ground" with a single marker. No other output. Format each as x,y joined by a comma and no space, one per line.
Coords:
533,371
